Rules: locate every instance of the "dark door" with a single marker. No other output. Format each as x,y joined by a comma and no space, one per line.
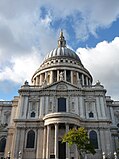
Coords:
61,104
61,150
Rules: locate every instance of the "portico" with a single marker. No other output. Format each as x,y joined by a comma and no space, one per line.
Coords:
56,125
52,142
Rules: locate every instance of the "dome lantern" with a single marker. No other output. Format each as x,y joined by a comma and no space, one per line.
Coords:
61,41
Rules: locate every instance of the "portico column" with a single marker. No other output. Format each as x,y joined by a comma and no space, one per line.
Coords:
44,142
56,142
48,142
77,154
67,146
76,149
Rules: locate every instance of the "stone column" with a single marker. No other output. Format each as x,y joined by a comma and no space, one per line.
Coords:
34,81
102,107
38,139
37,79
46,73
22,109
87,81
82,79
77,76
102,139
57,75
40,80
44,142
56,142
51,76
76,153
65,75
98,107
25,107
112,115
81,101
48,142
16,145
72,77
67,147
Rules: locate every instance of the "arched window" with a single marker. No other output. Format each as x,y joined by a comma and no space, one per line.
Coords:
2,144
94,139
91,115
61,104
33,114
30,139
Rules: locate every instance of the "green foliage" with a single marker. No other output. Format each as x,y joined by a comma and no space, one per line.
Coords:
80,138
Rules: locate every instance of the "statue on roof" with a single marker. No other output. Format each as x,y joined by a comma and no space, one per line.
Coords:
61,76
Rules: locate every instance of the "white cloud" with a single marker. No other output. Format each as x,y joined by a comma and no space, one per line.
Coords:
21,68
87,16
103,63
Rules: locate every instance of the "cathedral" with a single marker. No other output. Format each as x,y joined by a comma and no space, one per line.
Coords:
61,96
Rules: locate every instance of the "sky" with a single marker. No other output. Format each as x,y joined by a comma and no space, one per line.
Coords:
29,30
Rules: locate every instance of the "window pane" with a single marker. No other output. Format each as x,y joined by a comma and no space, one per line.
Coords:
2,144
33,114
68,75
93,138
61,105
91,115
30,139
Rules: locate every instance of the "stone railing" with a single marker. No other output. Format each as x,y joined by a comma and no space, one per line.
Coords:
5,102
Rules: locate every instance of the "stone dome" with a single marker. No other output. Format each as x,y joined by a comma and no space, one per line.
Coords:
62,64
62,51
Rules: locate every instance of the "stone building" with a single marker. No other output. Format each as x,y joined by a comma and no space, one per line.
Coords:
61,96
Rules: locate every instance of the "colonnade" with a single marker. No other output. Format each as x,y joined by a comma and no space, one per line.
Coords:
54,75
48,142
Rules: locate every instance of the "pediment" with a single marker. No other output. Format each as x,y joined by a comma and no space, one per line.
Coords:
61,85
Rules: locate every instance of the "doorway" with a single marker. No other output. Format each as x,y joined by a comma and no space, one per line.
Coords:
61,150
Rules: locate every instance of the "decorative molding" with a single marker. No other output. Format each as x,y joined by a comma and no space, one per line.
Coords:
61,87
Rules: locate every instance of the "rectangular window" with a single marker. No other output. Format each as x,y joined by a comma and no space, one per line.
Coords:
61,104
68,75
54,76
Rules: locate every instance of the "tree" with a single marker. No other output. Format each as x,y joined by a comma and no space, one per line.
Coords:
80,138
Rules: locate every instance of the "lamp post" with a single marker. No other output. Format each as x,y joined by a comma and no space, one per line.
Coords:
20,155
115,155
103,155
8,156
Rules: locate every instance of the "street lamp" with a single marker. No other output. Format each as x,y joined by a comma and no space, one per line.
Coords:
115,155
103,155
20,155
8,156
